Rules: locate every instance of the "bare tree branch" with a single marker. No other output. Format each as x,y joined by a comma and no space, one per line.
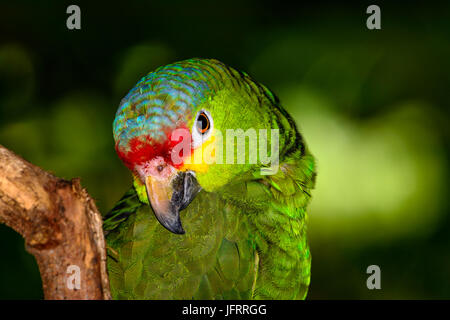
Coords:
61,226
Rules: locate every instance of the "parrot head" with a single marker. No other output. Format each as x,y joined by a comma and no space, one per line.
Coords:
171,119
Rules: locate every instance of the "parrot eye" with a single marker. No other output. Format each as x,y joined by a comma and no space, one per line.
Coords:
202,123
202,128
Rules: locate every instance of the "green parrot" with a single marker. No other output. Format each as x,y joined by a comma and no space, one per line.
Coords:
213,229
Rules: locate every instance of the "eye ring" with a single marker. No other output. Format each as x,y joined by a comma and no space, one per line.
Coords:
202,123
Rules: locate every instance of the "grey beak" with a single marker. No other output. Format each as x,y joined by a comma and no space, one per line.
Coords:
168,198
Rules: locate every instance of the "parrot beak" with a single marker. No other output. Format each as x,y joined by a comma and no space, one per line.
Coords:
169,195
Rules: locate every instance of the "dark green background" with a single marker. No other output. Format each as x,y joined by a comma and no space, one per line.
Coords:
373,106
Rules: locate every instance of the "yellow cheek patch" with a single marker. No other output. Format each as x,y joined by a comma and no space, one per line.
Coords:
202,156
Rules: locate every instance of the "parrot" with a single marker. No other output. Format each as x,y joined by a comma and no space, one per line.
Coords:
189,230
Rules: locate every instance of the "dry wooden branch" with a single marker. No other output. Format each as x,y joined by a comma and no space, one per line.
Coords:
61,226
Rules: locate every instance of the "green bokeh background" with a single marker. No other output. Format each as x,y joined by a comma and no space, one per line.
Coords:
372,105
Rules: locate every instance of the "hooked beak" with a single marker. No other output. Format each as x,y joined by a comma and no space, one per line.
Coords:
171,194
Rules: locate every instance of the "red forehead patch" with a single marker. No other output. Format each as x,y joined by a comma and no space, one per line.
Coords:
144,148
